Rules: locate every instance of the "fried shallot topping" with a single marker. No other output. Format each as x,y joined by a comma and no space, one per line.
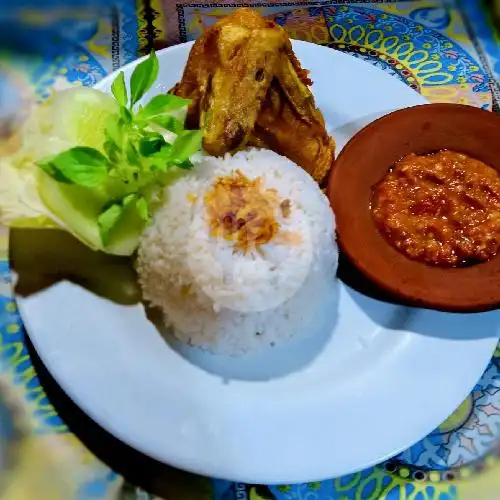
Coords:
241,210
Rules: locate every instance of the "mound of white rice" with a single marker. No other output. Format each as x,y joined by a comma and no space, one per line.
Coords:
234,302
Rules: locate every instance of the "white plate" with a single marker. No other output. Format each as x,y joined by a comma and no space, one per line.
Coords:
386,377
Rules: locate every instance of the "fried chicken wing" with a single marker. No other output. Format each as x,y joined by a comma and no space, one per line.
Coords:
247,87
227,75
302,139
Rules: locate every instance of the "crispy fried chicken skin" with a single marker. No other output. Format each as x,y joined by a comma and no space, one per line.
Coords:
248,88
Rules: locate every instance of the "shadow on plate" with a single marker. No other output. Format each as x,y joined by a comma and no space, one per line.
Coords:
456,326
350,276
44,257
269,363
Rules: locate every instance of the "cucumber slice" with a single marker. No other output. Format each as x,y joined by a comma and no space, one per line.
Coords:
124,238
77,209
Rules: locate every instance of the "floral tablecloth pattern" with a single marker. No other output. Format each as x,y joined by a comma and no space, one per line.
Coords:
446,50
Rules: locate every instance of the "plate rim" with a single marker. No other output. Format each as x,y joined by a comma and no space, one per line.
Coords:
271,477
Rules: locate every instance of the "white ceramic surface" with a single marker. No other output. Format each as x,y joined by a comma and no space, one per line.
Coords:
384,378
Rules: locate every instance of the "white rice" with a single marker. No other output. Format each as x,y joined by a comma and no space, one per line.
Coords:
230,302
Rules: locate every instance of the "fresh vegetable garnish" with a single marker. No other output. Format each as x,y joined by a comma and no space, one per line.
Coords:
101,176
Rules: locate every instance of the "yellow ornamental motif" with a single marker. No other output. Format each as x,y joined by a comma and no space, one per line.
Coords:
99,44
3,246
34,395
377,484
159,21
427,70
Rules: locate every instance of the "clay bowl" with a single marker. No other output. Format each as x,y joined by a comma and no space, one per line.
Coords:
365,160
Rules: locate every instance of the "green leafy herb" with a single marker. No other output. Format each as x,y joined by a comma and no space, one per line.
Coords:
49,169
126,174
143,77
108,219
114,128
110,216
160,162
129,199
168,122
160,105
112,150
187,143
119,89
126,116
80,165
133,156
151,143
142,208
186,164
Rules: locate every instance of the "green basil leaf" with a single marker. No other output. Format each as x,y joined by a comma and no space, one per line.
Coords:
160,161
112,150
151,143
48,168
115,134
119,89
165,152
114,128
108,219
161,104
128,199
142,208
133,156
169,122
143,77
158,167
185,145
186,164
125,116
80,165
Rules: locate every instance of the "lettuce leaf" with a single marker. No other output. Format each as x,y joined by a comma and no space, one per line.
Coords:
95,165
20,203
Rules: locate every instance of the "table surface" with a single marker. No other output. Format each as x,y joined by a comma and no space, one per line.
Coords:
446,50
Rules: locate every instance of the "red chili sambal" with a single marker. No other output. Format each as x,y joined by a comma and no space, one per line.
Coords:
442,209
